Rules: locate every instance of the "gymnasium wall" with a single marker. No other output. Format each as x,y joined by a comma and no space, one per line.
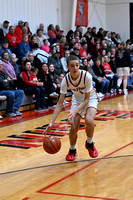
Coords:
109,14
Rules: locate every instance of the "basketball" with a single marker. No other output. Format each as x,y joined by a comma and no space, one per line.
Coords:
51,144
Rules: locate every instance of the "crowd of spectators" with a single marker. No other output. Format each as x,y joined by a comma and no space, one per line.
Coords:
35,63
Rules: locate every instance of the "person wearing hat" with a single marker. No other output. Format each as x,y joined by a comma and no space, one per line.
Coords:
5,27
18,30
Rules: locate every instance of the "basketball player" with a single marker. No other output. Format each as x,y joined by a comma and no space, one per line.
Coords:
84,101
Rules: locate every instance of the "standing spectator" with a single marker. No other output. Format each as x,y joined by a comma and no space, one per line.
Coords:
64,60
30,87
23,48
18,30
11,36
5,47
5,27
123,64
14,96
55,60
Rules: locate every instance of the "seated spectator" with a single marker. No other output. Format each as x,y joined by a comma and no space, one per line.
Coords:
18,30
2,98
55,60
75,52
52,33
96,52
30,87
53,77
100,34
23,48
5,47
40,37
7,66
83,51
130,80
13,60
64,60
29,33
99,71
40,56
1,36
11,36
69,36
30,57
33,75
108,40
14,96
59,32
50,90
33,40
5,27
41,26
118,38
45,47
109,74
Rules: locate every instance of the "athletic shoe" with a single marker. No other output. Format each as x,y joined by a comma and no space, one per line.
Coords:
100,94
10,114
17,113
117,89
71,155
2,97
125,91
54,95
92,150
1,117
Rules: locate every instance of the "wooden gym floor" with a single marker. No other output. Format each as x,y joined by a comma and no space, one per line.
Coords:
27,172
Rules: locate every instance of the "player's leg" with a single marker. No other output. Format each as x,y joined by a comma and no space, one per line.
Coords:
73,138
89,119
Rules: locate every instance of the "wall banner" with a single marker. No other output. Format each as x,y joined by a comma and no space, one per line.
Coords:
81,13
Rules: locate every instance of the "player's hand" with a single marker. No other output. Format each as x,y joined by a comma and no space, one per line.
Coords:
48,129
71,116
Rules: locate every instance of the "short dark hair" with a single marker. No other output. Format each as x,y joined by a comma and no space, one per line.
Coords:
72,57
34,69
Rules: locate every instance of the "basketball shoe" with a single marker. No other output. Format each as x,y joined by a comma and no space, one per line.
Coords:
71,155
92,150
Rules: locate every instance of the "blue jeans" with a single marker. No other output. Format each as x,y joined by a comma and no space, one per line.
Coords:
39,95
104,86
130,81
14,99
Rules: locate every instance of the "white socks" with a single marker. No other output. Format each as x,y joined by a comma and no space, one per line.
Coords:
73,147
89,140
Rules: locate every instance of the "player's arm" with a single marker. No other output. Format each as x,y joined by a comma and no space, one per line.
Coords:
57,110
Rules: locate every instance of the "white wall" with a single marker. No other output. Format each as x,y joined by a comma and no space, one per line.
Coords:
117,17
112,15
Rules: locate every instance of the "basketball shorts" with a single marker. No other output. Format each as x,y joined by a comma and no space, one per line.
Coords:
93,102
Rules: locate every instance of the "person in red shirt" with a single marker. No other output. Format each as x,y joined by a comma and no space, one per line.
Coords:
52,33
18,30
83,52
11,36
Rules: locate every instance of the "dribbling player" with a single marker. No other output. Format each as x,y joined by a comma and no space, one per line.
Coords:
84,105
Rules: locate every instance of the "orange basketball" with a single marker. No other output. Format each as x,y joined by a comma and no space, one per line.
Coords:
51,144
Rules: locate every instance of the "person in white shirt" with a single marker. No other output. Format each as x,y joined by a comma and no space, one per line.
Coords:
84,101
64,60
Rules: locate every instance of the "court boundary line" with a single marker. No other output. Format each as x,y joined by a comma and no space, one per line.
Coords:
64,163
80,196
71,174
